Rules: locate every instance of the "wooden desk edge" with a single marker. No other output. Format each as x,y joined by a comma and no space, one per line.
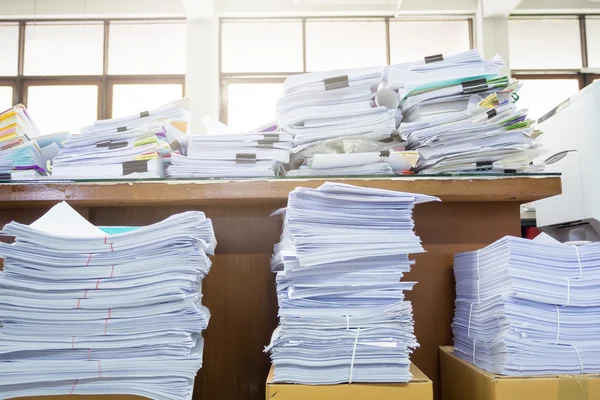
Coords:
91,194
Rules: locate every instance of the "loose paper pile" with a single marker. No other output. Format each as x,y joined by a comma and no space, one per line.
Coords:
251,155
83,311
324,106
343,317
461,117
21,157
528,307
139,146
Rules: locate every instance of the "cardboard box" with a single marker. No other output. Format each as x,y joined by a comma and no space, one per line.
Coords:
85,397
419,388
462,380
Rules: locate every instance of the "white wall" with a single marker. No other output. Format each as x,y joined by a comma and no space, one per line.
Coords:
202,77
267,8
90,8
558,7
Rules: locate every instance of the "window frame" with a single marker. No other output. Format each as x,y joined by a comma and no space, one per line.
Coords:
227,78
21,82
582,75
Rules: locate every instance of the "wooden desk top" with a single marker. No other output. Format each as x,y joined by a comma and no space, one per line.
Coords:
204,192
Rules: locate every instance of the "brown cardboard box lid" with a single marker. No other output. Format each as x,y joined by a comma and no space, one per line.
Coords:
419,388
464,380
84,397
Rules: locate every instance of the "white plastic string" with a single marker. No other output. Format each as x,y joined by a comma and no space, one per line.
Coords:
578,262
470,313
474,341
347,322
578,357
478,278
568,291
353,355
557,324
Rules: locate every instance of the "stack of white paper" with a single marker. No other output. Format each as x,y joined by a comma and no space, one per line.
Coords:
383,163
343,317
83,311
134,147
334,104
461,117
440,71
249,155
526,307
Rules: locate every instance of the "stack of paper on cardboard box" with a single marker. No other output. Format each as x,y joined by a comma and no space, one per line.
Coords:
343,317
528,307
83,311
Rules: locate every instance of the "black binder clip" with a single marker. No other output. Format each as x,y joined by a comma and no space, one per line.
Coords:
434,58
337,82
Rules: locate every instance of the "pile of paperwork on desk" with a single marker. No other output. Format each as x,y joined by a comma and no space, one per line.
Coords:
224,153
342,312
527,307
85,310
138,146
454,112
24,154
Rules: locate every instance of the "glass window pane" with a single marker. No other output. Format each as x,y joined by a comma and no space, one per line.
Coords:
592,29
250,46
250,105
62,108
132,99
9,42
146,48
6,97
345,44
542,95
544,43
427,38
63,49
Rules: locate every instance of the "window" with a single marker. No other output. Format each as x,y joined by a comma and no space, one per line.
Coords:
131,99
542,95
332,44
63,49
62,108
427,38
141,48
252,104
549,56
6,97
545,43
271,46
90,68
9,42
592,29
258,54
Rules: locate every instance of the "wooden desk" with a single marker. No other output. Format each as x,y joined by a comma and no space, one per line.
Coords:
240,288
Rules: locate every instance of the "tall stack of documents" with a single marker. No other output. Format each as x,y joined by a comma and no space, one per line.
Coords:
526,307
138,146
343,317
21,157
321,106
247,155
90,311
461,117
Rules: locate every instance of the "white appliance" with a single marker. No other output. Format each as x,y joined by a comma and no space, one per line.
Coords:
572,133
